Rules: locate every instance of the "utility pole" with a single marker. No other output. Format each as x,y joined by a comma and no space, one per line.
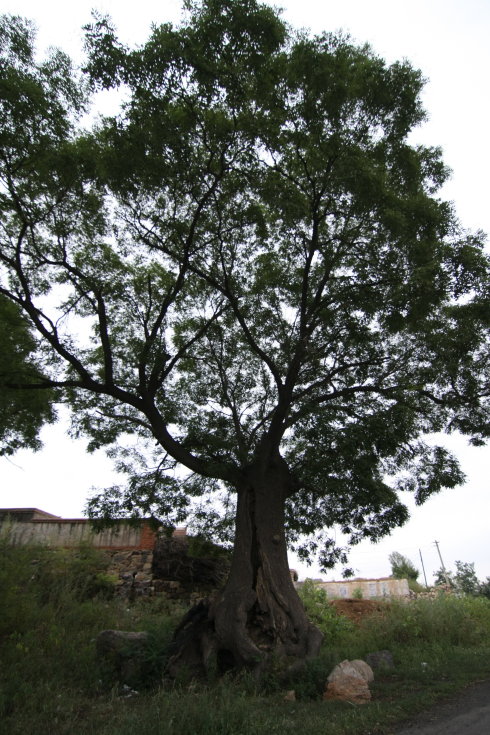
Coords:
442,564
423,569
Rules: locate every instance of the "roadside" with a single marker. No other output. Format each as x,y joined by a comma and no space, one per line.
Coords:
465,713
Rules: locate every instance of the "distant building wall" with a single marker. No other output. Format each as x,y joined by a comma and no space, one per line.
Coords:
73,532
25,514
30,525
367,588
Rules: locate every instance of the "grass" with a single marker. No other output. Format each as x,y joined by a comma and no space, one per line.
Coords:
53,604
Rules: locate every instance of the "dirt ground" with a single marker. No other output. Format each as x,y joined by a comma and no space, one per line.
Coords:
356,610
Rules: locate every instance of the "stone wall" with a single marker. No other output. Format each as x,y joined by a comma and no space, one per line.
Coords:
129,547
132,568
139,572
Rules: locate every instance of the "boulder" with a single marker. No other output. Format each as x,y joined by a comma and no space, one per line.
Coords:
381,660
349,682
357,667
353,689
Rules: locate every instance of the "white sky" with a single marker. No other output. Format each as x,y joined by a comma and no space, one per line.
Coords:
448,41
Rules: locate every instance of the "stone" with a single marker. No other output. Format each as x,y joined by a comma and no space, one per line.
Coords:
381,660
347,688
290,696
352,668
349,682
364,669
142,577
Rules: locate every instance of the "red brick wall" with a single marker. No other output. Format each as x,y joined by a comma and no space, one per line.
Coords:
148,537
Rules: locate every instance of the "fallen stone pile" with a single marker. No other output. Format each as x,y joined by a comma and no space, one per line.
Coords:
432,593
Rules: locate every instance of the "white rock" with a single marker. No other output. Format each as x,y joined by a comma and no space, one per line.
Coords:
356,668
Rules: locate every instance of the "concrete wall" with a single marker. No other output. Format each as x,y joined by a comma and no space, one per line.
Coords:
368,588
73,532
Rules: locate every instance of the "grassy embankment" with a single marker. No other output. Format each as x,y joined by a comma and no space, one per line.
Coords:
53,604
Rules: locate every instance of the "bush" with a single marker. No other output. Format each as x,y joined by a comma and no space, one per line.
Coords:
80,573
321,613
402,567
445,621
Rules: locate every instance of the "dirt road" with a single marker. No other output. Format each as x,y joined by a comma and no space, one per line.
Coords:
467,713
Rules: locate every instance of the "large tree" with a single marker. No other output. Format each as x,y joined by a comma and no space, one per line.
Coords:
247,269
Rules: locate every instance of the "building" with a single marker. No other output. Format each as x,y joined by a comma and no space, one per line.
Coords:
366,588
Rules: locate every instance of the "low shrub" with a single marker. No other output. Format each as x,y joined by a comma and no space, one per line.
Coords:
445,621
322,614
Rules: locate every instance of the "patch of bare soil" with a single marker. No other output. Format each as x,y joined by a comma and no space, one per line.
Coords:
356,610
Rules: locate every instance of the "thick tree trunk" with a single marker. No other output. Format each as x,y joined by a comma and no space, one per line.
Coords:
258,615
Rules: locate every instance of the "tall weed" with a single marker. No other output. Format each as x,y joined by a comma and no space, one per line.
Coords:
445,621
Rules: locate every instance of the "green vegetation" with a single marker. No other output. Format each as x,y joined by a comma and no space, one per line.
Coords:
403,568
464,580
51,681
274,299
22,412
315,600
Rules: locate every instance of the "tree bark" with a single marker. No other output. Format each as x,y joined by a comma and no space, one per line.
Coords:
258,615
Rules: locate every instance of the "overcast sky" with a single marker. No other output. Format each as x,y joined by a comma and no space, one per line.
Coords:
448,41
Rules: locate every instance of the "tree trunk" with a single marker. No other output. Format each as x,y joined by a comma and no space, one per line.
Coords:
258,615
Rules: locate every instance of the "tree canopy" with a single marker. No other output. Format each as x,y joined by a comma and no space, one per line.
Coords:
402,567
249,270
23,411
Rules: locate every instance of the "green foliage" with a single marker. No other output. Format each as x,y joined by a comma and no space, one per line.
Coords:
415,586
80,574
320,612
22,411
50,680
402,568
444,621
463,581
444,577
33,576
485,588
466,579
261,259
199,546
